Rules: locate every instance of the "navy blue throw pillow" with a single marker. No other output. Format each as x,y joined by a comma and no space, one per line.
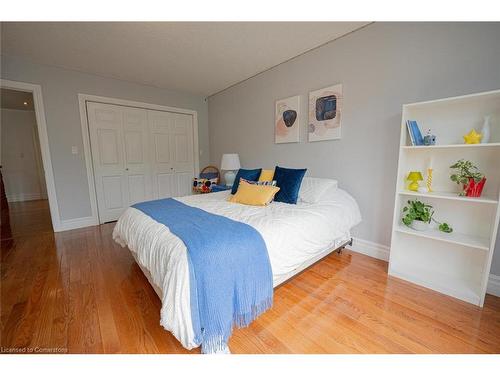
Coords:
247,174
288,180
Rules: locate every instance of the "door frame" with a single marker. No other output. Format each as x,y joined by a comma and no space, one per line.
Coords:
82,103
43,139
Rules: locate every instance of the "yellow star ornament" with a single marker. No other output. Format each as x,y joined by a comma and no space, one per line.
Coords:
473,137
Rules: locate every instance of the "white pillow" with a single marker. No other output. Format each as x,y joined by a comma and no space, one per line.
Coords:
312,189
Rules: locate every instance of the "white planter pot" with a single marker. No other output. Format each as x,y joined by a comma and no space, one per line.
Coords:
419,225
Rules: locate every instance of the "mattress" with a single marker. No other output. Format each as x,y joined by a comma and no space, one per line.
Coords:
295,236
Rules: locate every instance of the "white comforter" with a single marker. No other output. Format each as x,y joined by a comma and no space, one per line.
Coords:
293,235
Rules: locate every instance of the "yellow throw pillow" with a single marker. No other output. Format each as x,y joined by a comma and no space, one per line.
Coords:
254,195
266,175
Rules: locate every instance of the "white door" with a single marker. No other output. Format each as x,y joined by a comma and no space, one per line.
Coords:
138,155
162,166
137,162
119,143
172,154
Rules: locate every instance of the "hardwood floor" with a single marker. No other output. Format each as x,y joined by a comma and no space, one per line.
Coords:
79,292
28,218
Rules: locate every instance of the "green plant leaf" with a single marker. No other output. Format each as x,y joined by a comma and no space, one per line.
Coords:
463,171
444,227
417,210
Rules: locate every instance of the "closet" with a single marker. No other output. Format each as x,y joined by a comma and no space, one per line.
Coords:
138,155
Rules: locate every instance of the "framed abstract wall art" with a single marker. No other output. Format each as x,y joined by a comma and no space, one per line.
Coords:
325,109
286,122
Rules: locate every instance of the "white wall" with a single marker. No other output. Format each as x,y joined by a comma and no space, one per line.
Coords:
59,89
381,67
20,156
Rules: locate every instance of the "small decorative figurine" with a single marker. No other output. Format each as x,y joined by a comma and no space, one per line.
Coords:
473,137
429,139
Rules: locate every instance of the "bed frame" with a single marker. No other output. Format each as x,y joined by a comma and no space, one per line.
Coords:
342,247
304,266
287,277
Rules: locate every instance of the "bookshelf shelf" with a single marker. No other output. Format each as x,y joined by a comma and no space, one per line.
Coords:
462,146
457,263
451,196
454,238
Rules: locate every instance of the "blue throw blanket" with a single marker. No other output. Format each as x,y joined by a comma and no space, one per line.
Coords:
230,274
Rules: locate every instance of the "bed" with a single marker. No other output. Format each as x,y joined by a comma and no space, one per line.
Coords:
296,236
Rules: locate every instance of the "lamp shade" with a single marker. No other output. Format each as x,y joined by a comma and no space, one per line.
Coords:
415,176
230,162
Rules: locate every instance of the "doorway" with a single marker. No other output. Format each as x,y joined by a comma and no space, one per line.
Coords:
24,191
136,152
28,199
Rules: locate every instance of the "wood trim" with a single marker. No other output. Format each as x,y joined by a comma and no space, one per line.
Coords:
82,100
372,249
493,285
43,139
24,197
77,223
88,158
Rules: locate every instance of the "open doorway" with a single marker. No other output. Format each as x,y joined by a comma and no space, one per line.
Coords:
25,205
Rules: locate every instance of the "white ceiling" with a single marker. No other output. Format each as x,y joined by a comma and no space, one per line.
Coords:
196,57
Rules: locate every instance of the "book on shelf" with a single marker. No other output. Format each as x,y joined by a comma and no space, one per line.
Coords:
409,132
415,134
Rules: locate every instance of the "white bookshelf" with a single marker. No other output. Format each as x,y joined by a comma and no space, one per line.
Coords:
457,264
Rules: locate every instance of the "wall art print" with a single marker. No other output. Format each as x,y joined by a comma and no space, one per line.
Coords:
286,123
325,110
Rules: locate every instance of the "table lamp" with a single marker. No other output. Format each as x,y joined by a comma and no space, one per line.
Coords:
414,177
230,163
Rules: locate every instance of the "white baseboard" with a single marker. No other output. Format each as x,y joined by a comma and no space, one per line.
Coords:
493,285
23,197
76,223
372,249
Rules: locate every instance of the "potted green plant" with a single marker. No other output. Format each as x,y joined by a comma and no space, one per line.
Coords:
465,173
418,216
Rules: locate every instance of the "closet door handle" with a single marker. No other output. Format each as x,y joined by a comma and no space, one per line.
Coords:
126,169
